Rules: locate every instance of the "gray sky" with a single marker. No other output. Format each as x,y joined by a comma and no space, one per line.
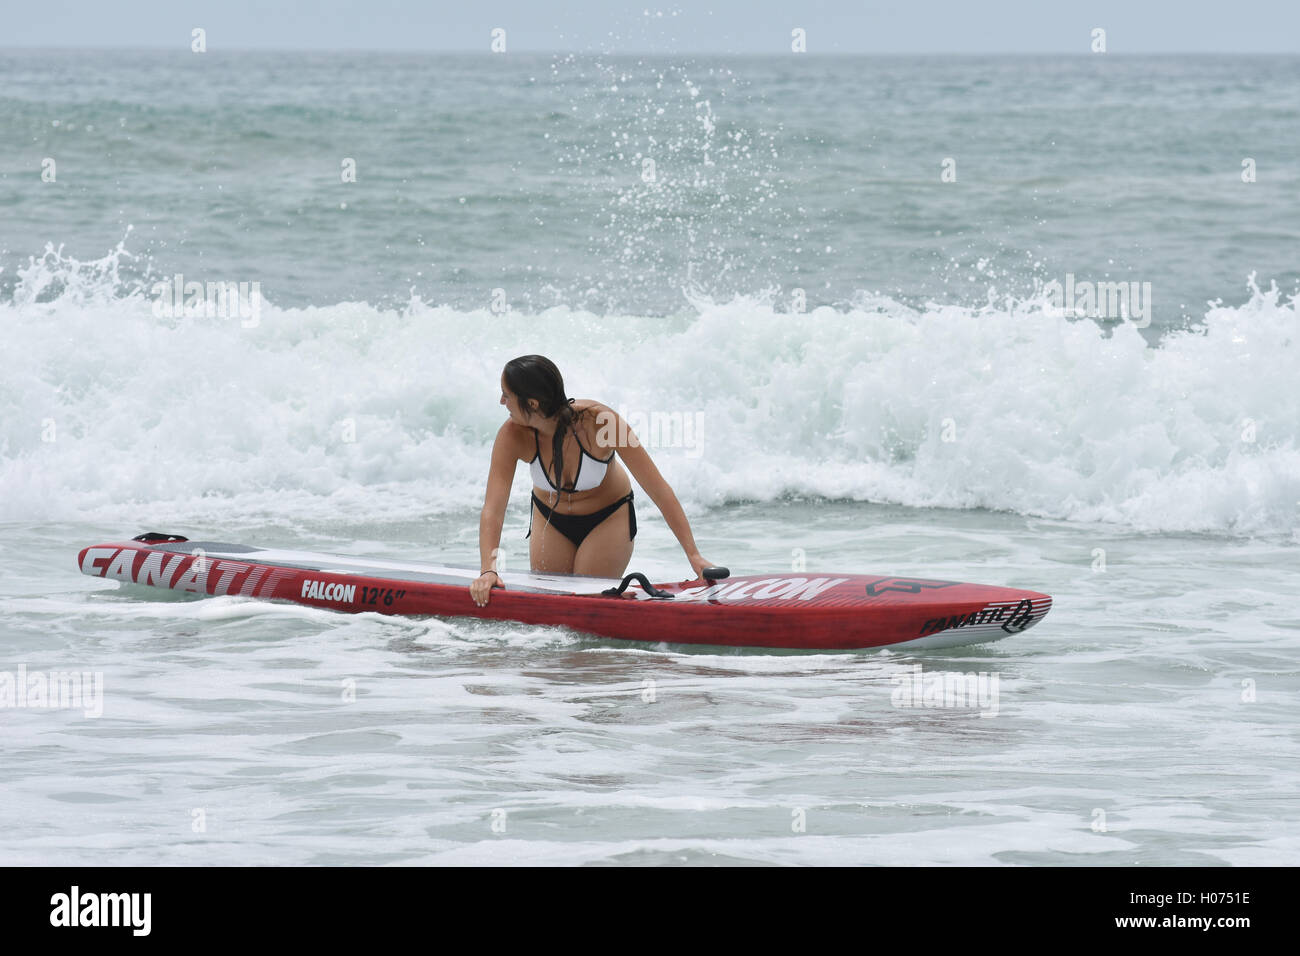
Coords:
719,26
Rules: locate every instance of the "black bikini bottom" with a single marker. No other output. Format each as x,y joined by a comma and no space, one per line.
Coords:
577,527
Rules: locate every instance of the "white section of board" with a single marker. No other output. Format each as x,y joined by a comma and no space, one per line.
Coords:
378,567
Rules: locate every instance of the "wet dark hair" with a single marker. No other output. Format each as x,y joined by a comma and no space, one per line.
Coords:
536,377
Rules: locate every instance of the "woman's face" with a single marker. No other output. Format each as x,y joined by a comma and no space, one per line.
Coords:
517,414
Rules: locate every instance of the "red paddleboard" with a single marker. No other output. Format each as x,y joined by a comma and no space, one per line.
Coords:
804,611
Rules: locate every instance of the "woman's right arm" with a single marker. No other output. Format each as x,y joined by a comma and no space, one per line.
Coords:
500,476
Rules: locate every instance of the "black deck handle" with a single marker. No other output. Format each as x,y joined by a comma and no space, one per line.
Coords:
640,579
715,573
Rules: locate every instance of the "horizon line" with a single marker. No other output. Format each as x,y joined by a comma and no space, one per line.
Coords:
182,48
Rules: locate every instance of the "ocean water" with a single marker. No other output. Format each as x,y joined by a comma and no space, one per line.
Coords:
877,377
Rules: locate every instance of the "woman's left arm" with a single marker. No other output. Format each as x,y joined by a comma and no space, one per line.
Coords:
613,431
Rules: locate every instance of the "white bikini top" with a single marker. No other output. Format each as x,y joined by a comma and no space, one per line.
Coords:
595,474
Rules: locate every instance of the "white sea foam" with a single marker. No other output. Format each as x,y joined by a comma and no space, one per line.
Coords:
350,407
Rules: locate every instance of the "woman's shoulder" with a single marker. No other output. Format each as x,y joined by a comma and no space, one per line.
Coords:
598,421
590,408
518,438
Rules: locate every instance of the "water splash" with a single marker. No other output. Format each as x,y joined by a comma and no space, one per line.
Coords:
393,411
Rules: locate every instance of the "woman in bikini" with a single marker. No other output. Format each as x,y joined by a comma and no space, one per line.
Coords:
579,490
